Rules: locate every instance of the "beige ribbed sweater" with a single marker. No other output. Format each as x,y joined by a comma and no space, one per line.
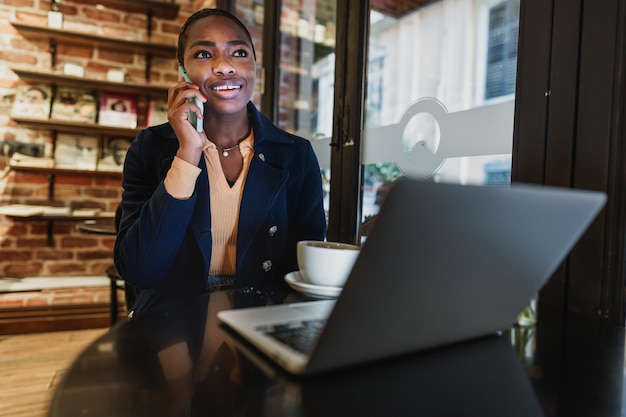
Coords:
225,201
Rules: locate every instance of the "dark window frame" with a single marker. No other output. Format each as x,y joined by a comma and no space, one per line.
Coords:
569,132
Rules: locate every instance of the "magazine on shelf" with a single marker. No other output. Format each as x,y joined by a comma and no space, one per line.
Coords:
157,112
32,149
32,101
113,154
119,110
76,151
74,104
26,154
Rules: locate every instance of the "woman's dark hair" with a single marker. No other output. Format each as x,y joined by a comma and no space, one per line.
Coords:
200,14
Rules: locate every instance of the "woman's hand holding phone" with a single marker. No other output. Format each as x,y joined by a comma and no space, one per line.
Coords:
193,119
185,113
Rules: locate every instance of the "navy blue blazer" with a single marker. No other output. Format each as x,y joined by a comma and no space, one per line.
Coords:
163,244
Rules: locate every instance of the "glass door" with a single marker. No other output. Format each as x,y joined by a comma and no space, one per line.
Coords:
440,95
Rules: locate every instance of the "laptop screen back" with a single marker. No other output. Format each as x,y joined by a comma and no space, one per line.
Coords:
445,263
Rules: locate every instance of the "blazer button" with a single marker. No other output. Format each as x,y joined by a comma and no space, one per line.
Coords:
262,157
267,265
273,230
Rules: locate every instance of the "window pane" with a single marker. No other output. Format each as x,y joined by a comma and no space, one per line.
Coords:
440,95
307,75
306,69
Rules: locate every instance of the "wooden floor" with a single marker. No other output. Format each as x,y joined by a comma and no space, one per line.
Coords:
32,364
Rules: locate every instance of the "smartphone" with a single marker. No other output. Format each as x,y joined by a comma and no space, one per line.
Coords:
193,119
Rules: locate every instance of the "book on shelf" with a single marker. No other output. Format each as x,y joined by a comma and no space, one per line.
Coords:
113,154
74,104
75,151
57,211
23,210
32,101
86,212
157,112
28,210
119,110
21,160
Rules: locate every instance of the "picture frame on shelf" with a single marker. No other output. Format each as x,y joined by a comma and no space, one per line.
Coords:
113,154
157,112
75,151
32,101
119,110
74,104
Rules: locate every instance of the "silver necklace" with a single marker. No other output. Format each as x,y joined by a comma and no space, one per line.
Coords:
226,151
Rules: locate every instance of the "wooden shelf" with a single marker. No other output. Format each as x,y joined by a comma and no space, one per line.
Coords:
54,36
82,38
51,218
82,128
66,217
157,91
61,171
155,8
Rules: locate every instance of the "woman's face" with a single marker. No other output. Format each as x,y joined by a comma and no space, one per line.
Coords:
218,57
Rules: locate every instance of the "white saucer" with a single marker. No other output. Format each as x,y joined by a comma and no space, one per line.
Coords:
297,282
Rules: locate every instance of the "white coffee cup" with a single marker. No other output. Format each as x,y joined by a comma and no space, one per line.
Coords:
326,263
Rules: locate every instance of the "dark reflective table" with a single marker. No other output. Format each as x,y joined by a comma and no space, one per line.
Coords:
178,361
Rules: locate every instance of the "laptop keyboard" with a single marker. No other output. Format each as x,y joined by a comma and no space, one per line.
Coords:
299,335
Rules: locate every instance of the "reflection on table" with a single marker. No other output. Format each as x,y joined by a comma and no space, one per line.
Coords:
176,360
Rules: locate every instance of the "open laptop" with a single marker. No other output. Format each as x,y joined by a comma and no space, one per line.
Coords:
443,263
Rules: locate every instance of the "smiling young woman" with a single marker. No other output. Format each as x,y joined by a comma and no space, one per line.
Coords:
226,202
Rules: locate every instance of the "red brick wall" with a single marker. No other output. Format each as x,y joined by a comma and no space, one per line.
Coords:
25,249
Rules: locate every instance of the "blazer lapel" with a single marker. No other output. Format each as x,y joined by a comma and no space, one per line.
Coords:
263,184
201,221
